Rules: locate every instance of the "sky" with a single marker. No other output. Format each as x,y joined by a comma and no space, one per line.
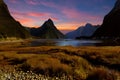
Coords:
66,14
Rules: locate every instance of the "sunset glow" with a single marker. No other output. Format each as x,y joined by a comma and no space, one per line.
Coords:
66,14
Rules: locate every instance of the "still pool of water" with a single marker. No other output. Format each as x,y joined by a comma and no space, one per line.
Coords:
71,42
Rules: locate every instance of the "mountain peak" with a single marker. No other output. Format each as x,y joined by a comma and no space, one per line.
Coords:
49,23
88,24
50,20
47,31
83,31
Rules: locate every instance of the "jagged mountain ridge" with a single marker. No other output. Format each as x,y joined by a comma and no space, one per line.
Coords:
111,24
83,31
47,31
9,27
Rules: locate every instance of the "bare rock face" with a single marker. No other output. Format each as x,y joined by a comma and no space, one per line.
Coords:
47,31
9,27
111,24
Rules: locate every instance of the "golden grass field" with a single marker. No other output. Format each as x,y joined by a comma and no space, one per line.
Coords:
75,63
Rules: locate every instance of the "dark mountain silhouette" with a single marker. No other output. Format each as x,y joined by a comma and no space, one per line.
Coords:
9,27
111,24
83,31
47,31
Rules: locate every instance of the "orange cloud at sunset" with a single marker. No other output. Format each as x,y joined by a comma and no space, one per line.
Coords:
36,19
67,14
26,21
69,26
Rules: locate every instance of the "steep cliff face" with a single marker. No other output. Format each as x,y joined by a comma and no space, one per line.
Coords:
117,5
9,27
111,24
47,31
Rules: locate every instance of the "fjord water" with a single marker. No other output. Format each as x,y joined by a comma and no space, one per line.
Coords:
71,42
64,42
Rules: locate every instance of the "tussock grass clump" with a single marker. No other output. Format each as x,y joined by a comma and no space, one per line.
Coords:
1,58
103,74
13,58
14,55
44,64
79,66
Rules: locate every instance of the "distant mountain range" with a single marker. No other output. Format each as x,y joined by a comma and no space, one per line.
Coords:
9,27
47,31
82,32
111,24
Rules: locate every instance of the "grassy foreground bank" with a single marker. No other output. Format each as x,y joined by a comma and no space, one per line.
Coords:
20,61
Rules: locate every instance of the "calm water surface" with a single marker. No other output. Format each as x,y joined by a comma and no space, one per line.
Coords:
71,42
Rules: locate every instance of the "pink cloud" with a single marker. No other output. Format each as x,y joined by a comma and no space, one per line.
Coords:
16,13
71,13
30,14
54,18
44,3
65,13
37,14
13,1
47,17
31,2
26,18
49,4
79,16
